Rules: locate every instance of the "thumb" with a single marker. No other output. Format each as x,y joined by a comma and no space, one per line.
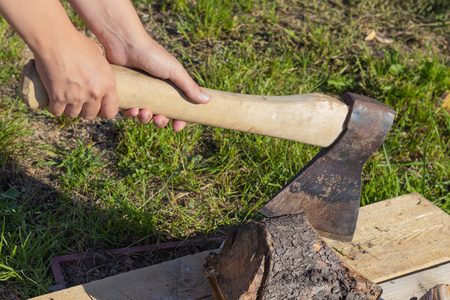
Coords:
182,79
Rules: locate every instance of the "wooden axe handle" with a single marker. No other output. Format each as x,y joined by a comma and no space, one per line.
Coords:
314,119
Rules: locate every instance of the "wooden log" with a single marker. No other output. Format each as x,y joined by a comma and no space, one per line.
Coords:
439,292
282,258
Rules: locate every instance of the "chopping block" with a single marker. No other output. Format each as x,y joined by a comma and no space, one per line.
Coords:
282,258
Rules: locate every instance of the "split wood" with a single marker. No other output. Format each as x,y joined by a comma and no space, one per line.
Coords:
282,258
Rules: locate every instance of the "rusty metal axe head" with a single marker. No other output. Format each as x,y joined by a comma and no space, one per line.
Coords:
328,188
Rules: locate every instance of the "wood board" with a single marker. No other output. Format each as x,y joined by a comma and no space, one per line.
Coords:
416,284
396,237
393,238
181,278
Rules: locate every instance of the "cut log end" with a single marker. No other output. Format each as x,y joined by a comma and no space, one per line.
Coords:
282,258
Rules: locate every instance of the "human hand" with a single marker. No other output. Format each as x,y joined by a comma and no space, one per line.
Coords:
78,78
118,27
151,57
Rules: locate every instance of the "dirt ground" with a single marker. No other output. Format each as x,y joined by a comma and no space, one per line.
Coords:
99,265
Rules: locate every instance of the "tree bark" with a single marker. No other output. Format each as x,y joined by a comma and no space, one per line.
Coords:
282,258
439,292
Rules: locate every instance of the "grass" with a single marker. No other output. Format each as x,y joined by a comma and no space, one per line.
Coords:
70,186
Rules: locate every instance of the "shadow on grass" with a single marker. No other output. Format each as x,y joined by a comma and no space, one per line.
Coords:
39,221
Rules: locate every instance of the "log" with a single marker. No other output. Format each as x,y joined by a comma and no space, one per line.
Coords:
439,292
282,258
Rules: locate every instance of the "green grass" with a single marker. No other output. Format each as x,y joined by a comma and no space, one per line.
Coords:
72,191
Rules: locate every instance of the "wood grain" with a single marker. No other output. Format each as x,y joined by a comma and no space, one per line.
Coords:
181,278
416,284
314,119
396,237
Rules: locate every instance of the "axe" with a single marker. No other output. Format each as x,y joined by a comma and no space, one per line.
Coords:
327,189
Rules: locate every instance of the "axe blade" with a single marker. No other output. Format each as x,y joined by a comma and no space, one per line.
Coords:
328,188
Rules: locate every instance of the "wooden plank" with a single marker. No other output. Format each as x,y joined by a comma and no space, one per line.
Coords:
396,237
393,237
181,278
417,284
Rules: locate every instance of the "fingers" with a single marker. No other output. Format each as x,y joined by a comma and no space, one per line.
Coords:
160,121
145,116
178,125
56,108
88,109
130,113
109,105
72,111
182,79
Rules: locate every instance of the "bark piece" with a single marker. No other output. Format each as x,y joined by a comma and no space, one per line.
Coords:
282,258
439,292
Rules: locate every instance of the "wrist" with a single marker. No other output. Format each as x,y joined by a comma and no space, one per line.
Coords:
132,51
48,47
70,43
114,22
124,40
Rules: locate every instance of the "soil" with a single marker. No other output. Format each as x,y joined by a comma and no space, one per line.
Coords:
98,265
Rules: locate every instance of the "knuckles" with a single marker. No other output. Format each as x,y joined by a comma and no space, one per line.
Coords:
95,93
75,100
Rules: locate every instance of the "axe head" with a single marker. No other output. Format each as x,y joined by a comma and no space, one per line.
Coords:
328,188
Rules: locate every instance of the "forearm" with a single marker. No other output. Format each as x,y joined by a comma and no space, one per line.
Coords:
43,24
114,22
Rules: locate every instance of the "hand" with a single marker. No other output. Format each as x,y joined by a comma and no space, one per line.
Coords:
151,57
78,78
117,26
